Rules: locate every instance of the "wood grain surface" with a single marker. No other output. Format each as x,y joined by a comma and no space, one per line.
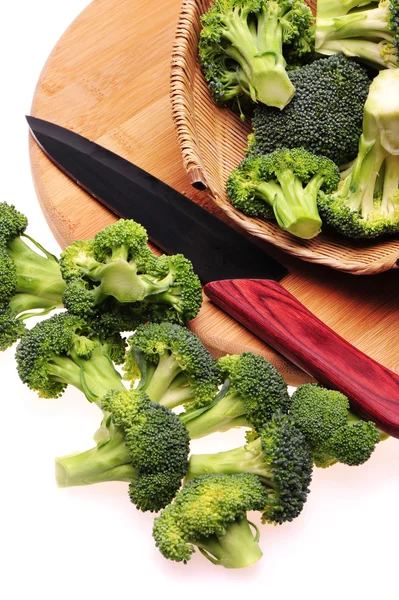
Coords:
108,79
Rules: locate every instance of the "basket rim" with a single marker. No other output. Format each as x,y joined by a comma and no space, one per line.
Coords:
184,119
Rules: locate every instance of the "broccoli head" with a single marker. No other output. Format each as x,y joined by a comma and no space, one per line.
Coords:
210,513
370,33
366,205
67,350
117,272
244,44
325,115
30,281
173,365
147,446
252,391
280,457
284,184
333,433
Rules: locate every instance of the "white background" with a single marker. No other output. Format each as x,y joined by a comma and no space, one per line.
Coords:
91,542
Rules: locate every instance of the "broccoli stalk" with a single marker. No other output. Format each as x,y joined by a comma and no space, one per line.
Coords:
253,390
108,461
116,271
288,182
172,364
367,202
65,350
209,513
248,40
333,433
337,8
147,446
370,33
30,281
281,459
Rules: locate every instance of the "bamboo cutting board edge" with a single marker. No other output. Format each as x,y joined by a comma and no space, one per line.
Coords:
80,88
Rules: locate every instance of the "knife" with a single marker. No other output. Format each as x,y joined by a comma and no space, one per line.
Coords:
238,275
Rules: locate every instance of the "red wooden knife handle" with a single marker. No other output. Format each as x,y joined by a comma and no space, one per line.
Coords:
273,314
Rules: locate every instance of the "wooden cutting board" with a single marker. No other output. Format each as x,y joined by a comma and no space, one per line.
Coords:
108,79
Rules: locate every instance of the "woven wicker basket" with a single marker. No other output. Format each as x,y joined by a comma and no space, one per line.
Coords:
213,142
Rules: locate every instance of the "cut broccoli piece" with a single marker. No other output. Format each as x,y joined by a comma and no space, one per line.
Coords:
66,350
244,44
333,433
172,364
280,457
325,115
370,33
147,446
30,281
117,271
366,204
286,182
210,513
253,390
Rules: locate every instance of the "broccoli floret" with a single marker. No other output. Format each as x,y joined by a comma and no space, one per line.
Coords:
116,270
366,204
210,513
286,182
172,364
325,115
244,44
333,433
66,350
252,391
30,281
147,446
280,457
370,33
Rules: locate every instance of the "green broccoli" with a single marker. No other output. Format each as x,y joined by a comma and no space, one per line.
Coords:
333,433
253,390
325,115
210,513
286,182
30,282
172,364
370,33
366,204
280,457
66,350
244,44
116,269
147,446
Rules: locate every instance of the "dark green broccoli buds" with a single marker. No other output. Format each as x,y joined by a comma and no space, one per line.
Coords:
147,446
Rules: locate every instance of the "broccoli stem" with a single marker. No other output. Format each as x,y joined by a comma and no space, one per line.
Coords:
246,459
263,65
37,276
372,24
332,8
237,548
166,371
106,462
374,53
390,198
296,211
227,413
94,376
120,280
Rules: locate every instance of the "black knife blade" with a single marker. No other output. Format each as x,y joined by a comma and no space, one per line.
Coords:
174,223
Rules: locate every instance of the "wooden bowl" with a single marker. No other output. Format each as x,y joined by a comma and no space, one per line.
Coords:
213,142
